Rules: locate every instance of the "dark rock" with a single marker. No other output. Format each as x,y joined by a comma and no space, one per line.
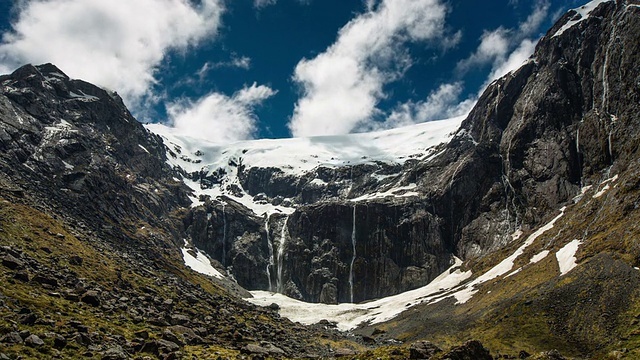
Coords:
11,262
33,341
82,339
253,349
76,260
551,355
45,280
115,353
423,350
471,350
25,334
186,335
28,319
12,338
523,355
150,347
165,346
91,297
59,342
142,334
179,319
170,336
342,352
329,294
21,276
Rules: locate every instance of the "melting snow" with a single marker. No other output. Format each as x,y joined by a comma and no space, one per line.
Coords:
539,257
583,13
606,187
199,263
298,156
504,266
567,256
391,192
67,165
83,97
348,316
144,148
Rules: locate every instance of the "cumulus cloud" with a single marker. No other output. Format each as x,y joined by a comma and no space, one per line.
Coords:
503,49
342,86
220,118
442,103
507,49
117,44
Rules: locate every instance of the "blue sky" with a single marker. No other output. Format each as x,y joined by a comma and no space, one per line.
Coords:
242,69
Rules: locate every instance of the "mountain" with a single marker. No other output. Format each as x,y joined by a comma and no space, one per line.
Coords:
516,225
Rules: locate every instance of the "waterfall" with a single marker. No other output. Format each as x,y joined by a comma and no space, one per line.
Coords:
224,236
605,65
283,238
578,154
270,246
609,143
353,258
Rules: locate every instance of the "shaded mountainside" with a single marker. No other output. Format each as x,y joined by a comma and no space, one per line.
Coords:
90,234
537,190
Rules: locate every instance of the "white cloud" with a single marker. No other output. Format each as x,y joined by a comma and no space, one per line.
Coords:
220,118
342,86
514,61
494,45
504,49
442,103
259,4
533,22
117,44
507,49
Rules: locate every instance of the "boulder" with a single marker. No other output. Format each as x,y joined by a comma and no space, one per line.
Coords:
423,350
33,341
11,262
471,350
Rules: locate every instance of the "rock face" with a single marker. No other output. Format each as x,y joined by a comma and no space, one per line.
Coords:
77,145
530,144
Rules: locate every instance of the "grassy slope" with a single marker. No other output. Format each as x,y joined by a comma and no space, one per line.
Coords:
592,311
49,246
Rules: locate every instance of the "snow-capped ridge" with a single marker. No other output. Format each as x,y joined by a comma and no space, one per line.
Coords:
296,157
582,13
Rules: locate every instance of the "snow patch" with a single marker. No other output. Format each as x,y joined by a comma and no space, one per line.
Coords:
318,182
144,148
200,262
348,316
606,187
391,192
539,257
582,13
82,96
504,266
567,256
